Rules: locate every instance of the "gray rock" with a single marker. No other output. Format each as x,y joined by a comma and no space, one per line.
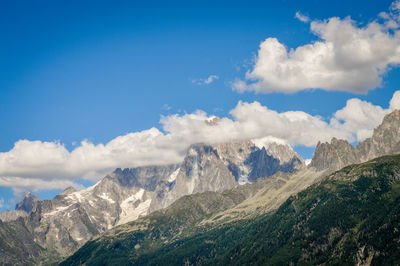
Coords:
23,208
334,155
7,216
385,140
28,203
70,219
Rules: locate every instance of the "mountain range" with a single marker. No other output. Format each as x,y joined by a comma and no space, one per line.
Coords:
65,223
206,209
351,217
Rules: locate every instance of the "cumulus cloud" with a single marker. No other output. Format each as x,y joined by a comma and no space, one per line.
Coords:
206,81
359,117
35,165
301,17
345,58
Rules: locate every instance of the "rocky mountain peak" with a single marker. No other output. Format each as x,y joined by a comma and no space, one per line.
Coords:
232,150
203,170
392,118
284,153
146,177
339,153
67,191
262,164
333,155
247,161
201,149
384,140
28,203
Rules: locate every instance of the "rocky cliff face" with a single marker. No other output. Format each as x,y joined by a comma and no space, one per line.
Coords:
13,215
17,246
28,204
221,167
73,217
203,170
385,140
334,155
247,162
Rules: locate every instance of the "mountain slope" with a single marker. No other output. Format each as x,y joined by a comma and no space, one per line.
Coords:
266,195
350,217
17,246
154,230
66,222
198,212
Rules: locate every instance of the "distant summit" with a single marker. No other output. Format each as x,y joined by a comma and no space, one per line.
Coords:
28,203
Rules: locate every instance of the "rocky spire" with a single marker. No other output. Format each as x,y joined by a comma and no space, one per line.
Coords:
28,203
339,153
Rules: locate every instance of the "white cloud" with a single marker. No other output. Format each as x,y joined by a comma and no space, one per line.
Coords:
265,141
1,203
206,81
166,107
346,58
301,17
35,165
395,101
23,184
359,117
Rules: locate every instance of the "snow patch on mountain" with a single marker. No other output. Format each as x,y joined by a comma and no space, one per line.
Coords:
173,176
133,207
106,197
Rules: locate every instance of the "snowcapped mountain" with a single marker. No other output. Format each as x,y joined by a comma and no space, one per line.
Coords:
60,226
73,217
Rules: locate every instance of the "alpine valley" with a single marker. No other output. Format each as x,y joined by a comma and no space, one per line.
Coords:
234,203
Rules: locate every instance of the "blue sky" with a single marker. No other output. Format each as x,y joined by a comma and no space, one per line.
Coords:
96,70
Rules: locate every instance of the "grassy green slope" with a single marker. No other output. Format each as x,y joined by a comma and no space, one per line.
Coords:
351,216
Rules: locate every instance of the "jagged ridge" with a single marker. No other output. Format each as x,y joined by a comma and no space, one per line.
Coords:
66,222
339,153
351,217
